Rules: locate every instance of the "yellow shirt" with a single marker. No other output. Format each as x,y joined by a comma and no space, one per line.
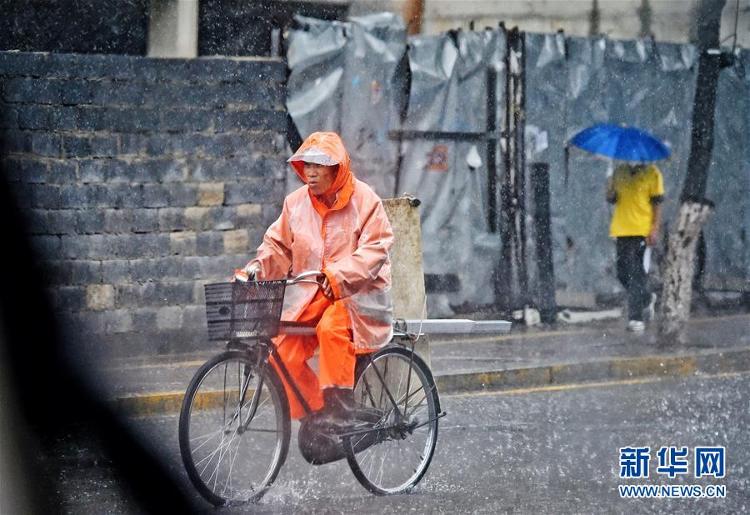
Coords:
633,208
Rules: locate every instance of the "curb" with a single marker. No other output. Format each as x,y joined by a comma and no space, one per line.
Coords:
141,405
613,369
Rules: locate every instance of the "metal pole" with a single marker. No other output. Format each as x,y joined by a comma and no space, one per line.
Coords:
543,242
520,126
413,15
505,269
491,149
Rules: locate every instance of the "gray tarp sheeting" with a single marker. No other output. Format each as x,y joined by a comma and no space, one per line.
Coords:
345,77
728,229
448,94
573,83
316,58
341,80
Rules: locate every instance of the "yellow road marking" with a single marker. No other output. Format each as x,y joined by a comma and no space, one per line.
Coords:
579,386
171,364
168,403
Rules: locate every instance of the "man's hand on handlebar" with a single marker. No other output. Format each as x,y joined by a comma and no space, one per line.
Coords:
313,277
245,274
250,273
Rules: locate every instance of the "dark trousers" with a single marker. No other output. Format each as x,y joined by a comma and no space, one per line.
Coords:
632,275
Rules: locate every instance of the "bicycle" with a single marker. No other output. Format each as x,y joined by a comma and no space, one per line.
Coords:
235,428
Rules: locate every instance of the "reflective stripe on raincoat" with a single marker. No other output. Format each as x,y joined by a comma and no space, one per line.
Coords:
349,242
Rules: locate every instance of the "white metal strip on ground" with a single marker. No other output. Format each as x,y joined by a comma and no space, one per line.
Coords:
491,327
457,326
431,326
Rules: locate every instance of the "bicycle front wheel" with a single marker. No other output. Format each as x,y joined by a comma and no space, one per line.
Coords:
234,428
398,386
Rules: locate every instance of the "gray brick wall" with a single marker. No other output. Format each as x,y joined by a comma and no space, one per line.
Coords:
142,179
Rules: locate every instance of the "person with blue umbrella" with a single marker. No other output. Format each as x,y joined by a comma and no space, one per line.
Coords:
636,189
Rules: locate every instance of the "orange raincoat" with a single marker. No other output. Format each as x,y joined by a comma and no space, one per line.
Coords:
350,242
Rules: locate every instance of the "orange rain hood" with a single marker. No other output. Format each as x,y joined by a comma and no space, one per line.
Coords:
326,148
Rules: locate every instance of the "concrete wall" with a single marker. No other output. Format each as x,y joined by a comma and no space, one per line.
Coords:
239,27
83,26
142,179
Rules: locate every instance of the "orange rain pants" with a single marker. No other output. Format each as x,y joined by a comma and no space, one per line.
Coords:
337,357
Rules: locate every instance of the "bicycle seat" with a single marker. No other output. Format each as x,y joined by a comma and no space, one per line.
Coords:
300,328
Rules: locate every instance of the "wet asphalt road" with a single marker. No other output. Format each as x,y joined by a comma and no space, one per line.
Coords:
525,452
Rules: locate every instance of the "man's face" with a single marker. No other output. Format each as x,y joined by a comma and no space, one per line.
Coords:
319,177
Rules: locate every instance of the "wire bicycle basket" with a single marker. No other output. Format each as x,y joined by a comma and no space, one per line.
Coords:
244,309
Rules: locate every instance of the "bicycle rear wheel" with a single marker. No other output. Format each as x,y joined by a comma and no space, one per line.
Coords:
234,428
399,386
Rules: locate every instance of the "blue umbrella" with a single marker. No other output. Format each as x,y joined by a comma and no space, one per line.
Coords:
620,142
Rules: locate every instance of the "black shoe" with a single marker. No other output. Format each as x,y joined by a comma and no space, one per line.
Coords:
339,400
342,410
338,409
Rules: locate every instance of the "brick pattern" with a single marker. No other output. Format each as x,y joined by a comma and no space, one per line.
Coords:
142,179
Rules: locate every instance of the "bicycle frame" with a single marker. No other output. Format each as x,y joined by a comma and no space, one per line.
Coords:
271,353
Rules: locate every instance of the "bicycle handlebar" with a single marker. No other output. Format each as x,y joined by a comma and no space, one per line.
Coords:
303,278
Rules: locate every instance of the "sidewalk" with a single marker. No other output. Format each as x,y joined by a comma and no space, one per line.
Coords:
522,359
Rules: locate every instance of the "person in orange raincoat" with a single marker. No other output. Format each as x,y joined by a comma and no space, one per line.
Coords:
337,224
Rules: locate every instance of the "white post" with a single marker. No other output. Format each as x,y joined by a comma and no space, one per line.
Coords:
173,28
407,271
